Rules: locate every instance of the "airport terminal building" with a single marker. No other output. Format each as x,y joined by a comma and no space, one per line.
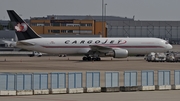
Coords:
72,25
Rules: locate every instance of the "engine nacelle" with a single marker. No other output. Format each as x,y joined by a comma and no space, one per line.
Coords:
120,53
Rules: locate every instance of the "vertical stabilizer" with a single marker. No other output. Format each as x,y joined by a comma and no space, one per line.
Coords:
22,29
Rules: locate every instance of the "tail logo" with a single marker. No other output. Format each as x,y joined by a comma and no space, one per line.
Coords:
21,27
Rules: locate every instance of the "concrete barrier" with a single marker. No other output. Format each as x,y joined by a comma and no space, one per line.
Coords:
129,88
147,88
175,87
58,91
75,90
40,92
24,92
92,90
110,89
7,92
163,87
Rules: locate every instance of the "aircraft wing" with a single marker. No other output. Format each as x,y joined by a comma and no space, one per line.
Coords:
100,48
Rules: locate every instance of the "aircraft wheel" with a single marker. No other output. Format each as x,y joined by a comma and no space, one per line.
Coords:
98,59
84,58
31,55
93,59
89,58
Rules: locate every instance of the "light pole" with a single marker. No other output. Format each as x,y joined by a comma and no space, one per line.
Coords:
79,27
105,11
105,18
102,17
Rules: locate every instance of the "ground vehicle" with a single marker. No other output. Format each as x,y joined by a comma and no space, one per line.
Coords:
156,57
170,57
177,57
173,57
35,53
150,57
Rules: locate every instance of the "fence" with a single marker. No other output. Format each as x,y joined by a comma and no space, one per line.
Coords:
24,82
7,81
130,78
164,77
147,78
74,80
92,79
44,81
177,77
40,81
112,79
58,80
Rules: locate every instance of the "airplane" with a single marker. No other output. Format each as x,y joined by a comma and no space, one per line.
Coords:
9,43
91,48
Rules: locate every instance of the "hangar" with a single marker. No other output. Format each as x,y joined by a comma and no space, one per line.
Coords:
168,30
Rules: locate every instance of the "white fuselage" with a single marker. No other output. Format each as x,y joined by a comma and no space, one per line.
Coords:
81,45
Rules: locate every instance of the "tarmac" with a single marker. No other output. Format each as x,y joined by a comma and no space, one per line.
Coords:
172,95
74,63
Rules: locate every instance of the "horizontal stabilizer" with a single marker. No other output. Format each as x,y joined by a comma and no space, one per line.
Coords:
25,43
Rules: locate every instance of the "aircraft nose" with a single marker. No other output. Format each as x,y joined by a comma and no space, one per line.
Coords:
169,47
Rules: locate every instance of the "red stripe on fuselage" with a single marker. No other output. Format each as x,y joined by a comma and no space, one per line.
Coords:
104,46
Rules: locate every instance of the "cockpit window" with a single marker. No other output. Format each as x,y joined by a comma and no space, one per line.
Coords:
166,42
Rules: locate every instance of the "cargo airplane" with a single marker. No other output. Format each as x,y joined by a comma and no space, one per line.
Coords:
91,48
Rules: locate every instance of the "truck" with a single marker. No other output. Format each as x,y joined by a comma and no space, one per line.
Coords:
177,57
35,53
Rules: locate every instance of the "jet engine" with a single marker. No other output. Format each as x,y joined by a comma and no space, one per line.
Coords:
118,53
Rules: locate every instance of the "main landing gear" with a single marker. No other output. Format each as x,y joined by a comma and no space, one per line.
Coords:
88,58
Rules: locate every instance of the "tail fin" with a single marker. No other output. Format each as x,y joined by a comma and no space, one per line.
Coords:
23,30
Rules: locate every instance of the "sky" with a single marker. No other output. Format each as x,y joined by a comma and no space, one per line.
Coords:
142,9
